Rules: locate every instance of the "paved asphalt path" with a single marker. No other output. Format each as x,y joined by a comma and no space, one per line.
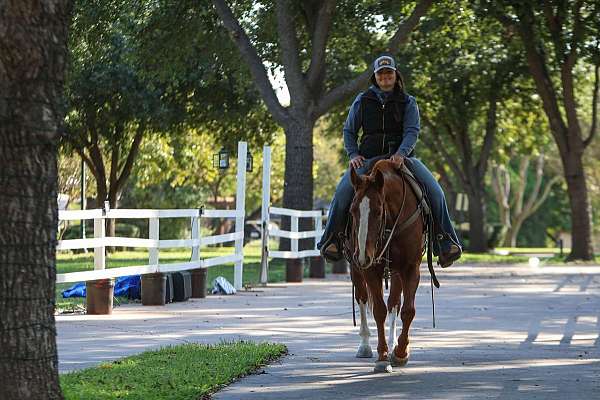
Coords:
503,332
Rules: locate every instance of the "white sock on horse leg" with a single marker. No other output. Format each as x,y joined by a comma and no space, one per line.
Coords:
364,325
392,320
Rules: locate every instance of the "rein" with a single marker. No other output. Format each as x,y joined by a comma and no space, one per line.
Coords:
395,228
383,225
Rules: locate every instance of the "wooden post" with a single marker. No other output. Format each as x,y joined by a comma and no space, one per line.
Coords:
240,206
153,229
195,221
100,251
294,268
265,217
198,274
99,293
295,230
317,263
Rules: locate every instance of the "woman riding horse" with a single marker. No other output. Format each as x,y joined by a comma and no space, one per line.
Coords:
389,118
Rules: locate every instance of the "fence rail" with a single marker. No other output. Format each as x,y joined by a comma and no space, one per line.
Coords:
100,241
294,234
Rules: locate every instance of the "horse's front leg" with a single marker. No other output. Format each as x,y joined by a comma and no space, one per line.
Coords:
393,307
379,312
410,280
362,296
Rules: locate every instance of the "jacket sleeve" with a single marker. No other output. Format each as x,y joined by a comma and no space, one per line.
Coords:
351,128
412,127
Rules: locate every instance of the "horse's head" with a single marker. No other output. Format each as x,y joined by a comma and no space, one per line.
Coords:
367,211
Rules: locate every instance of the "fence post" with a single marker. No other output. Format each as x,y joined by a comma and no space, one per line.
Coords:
195,236
99,293
240,206
153,229
294,268
295,230
199,275
265,217
318,228
99,252
317,264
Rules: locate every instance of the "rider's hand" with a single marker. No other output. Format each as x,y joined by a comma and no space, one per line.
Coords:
397,159
357,162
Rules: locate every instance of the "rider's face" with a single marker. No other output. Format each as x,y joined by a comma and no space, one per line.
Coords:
386,78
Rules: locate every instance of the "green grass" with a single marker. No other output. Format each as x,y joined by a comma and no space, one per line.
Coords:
518,255
557,259
470,258
185,372
532,250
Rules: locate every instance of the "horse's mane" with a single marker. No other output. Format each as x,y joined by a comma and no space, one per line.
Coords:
387,168
384,166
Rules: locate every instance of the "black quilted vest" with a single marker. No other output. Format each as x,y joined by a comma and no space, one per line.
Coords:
382,124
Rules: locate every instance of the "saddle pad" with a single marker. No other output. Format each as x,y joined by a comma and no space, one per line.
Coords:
416,187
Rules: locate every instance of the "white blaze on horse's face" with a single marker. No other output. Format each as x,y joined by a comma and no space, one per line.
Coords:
363,228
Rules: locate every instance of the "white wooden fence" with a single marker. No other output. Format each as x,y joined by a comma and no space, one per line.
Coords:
154,243
294,235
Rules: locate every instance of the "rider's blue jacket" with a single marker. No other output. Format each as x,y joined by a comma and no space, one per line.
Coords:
354,123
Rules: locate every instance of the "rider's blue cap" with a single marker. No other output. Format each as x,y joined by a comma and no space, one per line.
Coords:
384,62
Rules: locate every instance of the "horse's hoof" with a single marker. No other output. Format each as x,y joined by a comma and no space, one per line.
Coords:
364,351
383,366
397,361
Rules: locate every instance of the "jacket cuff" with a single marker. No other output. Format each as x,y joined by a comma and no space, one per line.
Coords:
401,152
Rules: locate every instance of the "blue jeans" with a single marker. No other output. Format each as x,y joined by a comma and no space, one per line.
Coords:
344,193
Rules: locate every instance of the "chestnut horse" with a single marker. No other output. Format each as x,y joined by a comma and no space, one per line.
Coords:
387,230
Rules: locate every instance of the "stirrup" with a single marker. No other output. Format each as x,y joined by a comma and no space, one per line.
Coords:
446,259
331,255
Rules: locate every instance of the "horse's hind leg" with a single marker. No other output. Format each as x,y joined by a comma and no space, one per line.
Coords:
361,295
410,282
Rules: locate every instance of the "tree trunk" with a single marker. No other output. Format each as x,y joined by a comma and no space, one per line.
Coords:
508,236
298,190
477,234
567,134
33,40
111,222
513,233
581,229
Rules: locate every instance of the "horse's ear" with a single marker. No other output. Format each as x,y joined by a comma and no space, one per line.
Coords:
354,178
378,180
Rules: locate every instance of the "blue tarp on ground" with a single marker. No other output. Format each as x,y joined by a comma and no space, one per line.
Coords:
77,290
129,286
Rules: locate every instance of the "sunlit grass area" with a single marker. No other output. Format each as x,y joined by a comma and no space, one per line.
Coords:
470,258
531,250
557,259
185,372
